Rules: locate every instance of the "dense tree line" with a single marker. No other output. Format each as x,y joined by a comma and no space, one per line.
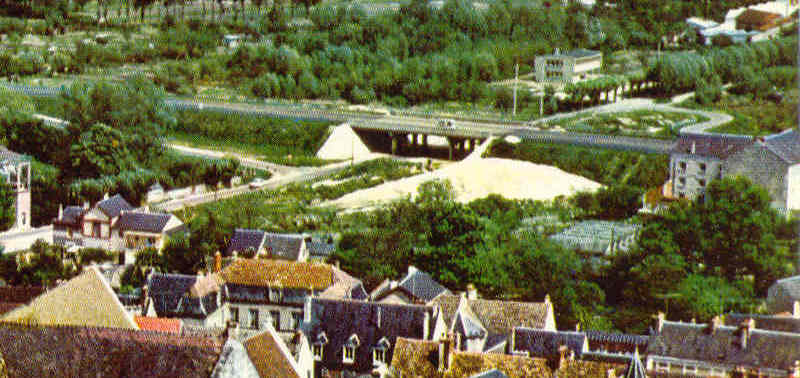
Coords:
112,144
739,64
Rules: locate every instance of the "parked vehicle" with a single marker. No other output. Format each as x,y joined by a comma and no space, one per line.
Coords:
257,183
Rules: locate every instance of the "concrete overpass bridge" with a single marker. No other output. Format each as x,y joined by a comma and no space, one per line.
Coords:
411,136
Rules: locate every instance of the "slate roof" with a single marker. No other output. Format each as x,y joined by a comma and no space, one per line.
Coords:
546,344
183,296
243,239
113,206
320,248
421,285
146,323
64,351
85,300
370,321
597,338
72,216
285,246
786,145
278,273
764,349
720,146
494,373
7,155
143,222
582,53
270,355
767,322
417,285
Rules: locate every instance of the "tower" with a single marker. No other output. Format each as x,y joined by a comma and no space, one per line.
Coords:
16,170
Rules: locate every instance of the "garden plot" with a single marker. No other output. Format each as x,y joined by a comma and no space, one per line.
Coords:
641,123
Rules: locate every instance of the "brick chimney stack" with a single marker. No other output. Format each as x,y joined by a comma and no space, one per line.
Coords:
744,332
217,262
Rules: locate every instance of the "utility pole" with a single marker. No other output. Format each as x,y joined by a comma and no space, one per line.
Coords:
516,80
541,104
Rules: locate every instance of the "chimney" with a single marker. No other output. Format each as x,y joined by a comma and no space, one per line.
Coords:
217,262
412,269
796,309
231,329
745,329
378,318
86,205
694,147
563,356
105,196
200,274
61,213
577,327
472,293
145,294
444,353
715,323
660,319
547,299
558,51
426,326
307,310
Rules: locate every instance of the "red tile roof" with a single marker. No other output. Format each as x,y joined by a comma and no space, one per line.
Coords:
146,323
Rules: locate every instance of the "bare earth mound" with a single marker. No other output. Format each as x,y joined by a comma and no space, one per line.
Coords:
477,178
343,144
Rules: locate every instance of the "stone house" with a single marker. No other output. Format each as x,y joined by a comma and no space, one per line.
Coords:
350,338
417,287
481,325
197,300
772,161
295,247
113,224
261,292
717,350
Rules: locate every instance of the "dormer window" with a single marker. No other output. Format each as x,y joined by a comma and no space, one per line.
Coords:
318,347
379,352
349,350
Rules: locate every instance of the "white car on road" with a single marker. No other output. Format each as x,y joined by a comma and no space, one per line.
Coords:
257,183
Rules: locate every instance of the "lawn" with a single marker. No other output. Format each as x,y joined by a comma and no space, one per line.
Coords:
758,117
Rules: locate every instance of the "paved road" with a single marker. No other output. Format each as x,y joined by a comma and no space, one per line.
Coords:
248,162
275,182
463,128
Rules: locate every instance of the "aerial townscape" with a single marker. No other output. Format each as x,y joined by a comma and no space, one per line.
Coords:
400,188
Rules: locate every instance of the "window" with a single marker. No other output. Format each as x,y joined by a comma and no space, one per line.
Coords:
349,354
276,319
701,182
297,318
254,318
235,314
682,181
378,356
317,350
703,167
682,166
349,349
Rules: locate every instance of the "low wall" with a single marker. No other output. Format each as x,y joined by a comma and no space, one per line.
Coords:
15,241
